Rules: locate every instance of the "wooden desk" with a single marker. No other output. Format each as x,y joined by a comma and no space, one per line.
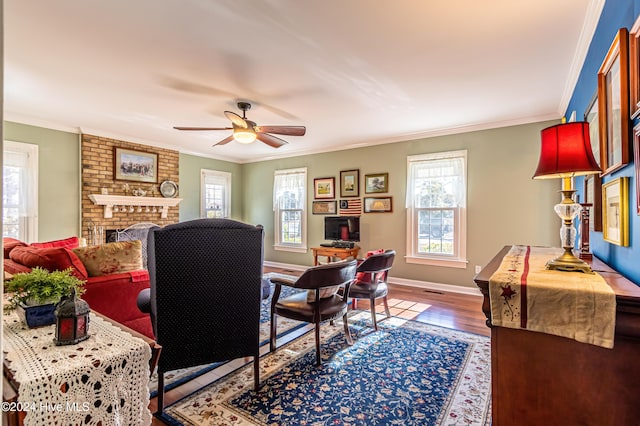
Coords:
331,252
540,379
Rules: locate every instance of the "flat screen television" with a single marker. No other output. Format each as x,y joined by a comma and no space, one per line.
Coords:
342,228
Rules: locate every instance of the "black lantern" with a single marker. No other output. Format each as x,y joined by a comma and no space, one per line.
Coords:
72,320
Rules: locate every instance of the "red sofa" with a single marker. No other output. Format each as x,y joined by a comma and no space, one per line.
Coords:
113,295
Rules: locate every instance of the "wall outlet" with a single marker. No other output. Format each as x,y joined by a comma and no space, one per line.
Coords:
478,269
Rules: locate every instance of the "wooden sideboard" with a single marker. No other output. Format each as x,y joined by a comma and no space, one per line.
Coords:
541,379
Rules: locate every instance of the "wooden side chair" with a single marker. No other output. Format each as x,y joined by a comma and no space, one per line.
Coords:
371,281
319,303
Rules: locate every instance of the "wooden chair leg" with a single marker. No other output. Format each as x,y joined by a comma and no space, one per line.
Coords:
272,333
386,307
347,333
256,371
372,301
160,399
318,358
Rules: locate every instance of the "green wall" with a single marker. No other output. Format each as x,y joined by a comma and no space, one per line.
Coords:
190,166
58,178
505,206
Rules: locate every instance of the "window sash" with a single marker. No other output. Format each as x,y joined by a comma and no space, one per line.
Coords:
289,205
215,187
436,209
20,191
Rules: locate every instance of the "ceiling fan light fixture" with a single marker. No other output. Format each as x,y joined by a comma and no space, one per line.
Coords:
244,135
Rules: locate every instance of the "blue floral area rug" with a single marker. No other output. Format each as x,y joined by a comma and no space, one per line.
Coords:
407,373
173,379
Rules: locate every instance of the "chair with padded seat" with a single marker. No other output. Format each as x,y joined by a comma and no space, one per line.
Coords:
371,281
205,297
319,303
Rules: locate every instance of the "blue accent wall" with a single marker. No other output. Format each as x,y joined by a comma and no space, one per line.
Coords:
615,14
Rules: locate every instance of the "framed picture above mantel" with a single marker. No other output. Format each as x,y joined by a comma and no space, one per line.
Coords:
136,166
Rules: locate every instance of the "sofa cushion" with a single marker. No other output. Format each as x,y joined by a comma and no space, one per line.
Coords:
9,244
51,259
111,258
71,242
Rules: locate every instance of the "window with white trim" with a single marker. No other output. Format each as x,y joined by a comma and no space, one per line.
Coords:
290,209
215,187
20,191
436,209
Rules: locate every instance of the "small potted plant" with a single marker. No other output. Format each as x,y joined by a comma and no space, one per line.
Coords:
36,293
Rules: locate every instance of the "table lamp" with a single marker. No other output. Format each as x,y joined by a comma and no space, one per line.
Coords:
565,152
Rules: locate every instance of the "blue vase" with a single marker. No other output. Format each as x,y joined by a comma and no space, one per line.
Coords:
37,315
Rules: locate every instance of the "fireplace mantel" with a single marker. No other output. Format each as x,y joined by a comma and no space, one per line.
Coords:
111,201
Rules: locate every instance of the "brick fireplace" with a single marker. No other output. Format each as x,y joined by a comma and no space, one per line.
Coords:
97,155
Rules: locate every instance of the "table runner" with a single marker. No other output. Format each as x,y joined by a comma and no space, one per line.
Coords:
102,380
525,295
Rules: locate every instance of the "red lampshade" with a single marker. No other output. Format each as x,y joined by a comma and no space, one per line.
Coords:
565,151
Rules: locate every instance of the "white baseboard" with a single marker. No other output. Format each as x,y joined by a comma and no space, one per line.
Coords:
450,288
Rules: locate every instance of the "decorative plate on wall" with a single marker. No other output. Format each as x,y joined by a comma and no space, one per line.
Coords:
168,189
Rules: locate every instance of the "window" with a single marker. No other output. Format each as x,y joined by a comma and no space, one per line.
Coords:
436,209
20,191
289,206
215,187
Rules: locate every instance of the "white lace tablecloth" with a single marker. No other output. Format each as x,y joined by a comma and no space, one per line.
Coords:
101,381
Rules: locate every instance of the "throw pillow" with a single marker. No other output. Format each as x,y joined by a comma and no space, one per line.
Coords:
111,258
71,242
324,293
9,244
365,277
50,258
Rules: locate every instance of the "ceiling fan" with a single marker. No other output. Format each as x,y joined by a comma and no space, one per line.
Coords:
246,131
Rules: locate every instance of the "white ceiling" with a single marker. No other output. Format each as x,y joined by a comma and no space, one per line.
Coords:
354,72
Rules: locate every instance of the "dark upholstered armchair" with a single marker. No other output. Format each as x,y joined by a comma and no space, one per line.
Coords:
371,281
313,306
206,279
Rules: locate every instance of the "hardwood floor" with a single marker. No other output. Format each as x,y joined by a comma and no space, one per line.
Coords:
451,310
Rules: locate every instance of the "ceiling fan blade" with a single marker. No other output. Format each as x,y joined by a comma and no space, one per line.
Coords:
270,140
236,119
282,130
202,128
224,141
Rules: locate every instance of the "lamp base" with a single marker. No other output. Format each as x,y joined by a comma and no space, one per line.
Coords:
567,262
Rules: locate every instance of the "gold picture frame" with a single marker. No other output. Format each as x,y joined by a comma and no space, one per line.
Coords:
634,69
374,183
615,211
349,183
613,105
135,166
324,188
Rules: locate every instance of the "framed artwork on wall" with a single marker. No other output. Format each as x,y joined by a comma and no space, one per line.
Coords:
634,68
324,207
613,105
378,205
324,188
349,183
591,117
615,212
374,183
135,166
593,196
636,162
